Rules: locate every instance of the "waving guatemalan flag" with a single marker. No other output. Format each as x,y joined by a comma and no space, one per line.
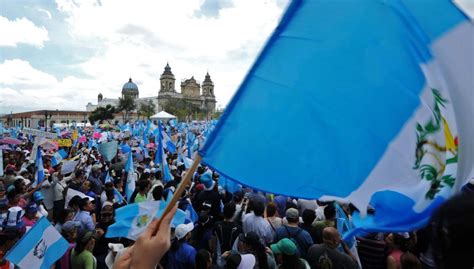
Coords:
131,177
132,220
40,247
379,96
39,175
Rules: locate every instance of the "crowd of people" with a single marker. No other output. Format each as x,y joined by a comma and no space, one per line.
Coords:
243,228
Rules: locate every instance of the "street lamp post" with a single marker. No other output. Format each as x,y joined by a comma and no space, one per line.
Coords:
46,117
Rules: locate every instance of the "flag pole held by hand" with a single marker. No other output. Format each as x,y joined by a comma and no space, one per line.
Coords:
177,194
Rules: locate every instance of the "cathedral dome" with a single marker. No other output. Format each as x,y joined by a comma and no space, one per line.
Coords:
130,88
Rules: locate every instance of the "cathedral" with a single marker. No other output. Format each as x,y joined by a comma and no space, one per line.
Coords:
191,92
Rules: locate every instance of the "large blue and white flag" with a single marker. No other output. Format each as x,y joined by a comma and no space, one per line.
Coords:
132,220
378,95
39,174
108,149
131,177
40,247
58,157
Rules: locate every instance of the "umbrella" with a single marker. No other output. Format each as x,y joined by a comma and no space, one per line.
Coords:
10,140
49,145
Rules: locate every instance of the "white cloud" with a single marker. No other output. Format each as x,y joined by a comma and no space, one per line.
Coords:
21,30
22,87
137,39
45,12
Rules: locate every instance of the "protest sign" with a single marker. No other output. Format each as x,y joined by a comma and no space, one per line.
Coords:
68,167
39,133
64,142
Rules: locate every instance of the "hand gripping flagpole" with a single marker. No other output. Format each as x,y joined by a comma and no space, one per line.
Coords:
177,194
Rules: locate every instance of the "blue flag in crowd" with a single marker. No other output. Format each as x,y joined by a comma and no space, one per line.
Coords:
133,219
58,157
40,247
39,176
130,184
160,157
366,102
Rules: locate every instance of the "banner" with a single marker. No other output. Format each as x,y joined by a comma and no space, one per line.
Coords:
108,150
68,167
39,133
64,142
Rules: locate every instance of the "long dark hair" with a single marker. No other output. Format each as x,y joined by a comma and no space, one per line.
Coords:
82,242
258,250
202,257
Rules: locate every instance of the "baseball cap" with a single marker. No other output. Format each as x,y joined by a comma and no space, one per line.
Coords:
70,225
241,261
182,230
292,214
31,208
284,246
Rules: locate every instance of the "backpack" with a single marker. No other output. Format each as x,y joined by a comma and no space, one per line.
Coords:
294,239
324,262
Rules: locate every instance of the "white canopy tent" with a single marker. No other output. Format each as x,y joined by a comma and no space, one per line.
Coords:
163,115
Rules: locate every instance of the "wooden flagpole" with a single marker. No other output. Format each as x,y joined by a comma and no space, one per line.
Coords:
179,191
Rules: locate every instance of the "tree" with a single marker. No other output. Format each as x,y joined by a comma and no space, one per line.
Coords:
127,105
102,113
147,109
180,108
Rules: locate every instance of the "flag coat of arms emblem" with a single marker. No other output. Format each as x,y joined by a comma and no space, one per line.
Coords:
39,248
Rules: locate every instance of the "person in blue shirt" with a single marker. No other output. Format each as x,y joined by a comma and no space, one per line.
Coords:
291,231
84,215
181,254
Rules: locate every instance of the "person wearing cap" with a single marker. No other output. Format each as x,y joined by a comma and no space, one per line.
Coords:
31,215
95,178
38,199
240,261
181,254
251,243
301,237
209,195
69,231
285,251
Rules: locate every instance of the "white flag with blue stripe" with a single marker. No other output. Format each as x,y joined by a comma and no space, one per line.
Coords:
39,248
378,94
132,220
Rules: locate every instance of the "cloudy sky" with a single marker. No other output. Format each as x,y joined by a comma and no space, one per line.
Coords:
60,54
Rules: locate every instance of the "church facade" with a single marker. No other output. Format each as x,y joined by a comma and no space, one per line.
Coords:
192,91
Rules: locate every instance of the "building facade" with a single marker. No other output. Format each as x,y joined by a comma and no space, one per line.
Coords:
44,118
202,96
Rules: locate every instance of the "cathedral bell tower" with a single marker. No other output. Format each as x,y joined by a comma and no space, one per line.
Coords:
167,80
